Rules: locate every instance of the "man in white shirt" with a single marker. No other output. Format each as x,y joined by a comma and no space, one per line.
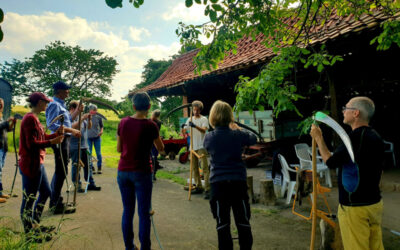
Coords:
200,127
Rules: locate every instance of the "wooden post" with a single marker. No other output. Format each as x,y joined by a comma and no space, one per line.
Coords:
250,189
191,155
314,194
267,194
78,163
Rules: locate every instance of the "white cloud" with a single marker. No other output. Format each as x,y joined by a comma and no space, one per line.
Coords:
137,33
25,34
184,14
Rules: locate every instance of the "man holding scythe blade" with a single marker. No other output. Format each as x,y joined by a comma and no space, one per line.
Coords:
56,108
360,202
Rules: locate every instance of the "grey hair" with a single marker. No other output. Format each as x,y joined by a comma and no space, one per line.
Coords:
92,107
156,113
365,105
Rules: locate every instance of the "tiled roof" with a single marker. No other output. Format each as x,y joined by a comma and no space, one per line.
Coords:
251,52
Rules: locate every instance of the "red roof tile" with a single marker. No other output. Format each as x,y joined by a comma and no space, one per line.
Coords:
251,52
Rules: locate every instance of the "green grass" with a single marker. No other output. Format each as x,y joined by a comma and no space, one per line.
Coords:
11,240
170,176
264,212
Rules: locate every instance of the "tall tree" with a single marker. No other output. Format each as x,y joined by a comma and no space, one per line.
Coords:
151,72
89,72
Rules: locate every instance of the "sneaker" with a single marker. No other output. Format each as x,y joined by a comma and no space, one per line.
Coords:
3,200
206,195
99,172
80,190
94,188
5,196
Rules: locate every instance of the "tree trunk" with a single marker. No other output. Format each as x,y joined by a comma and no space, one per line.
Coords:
267,194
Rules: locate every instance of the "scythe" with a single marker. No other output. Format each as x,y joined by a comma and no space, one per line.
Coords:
321,117
19,117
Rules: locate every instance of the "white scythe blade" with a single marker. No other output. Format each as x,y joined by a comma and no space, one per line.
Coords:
321,117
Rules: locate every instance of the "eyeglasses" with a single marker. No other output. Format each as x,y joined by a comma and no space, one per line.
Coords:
344,108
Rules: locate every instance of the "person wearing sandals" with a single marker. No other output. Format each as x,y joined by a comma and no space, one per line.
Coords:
135,136
32,144
228,176
5,126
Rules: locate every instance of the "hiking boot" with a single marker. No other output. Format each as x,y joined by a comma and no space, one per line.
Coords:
94,188
197,191
58,209
3,200
37,236
47,229
206,195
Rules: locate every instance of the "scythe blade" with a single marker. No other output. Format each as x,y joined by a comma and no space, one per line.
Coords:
91,100
178,108
321,117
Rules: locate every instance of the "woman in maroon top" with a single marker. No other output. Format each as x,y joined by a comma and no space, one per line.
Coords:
32,144
136,136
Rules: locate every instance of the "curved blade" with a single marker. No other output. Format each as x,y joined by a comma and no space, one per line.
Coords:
178,108
321,117
102,116
91,100
250,129
59,117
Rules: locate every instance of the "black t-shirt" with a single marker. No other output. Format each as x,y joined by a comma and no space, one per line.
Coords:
369,158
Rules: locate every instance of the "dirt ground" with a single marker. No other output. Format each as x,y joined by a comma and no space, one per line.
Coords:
180,224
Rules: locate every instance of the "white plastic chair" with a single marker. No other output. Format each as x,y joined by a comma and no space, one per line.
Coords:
390,150
306,162
287,184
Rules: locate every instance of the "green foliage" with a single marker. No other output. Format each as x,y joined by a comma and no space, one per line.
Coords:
114,3
272,86
89,72
389,35
321,59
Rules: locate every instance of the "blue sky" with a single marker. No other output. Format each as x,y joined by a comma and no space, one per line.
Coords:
130,35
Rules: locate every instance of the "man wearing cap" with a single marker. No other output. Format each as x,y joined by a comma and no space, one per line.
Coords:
56,108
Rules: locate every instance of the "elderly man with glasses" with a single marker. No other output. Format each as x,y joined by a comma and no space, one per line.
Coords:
360,202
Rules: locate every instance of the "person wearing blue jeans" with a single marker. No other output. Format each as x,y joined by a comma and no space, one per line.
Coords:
86,123
30,187
136,185
96,142
135,137
32,152
94,136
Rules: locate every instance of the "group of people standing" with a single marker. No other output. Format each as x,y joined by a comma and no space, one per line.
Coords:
225,180
360,210
63,139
